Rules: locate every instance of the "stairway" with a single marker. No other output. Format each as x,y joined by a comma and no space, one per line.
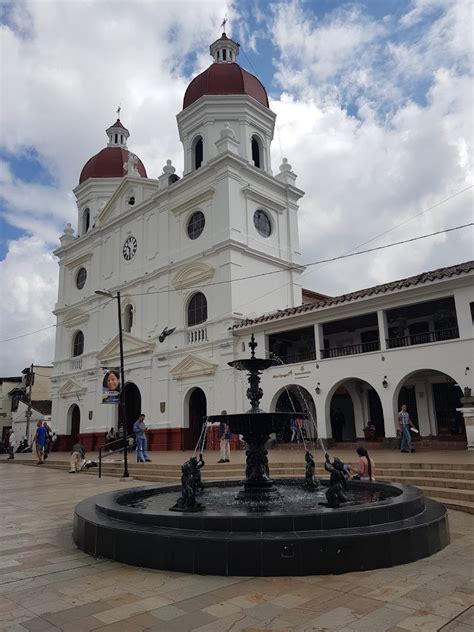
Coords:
451,484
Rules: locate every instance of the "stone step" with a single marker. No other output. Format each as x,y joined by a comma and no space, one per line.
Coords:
457,505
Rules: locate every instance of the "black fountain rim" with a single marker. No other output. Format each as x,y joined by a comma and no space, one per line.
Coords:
408,503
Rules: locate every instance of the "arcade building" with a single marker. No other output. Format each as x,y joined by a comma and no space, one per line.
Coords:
215,254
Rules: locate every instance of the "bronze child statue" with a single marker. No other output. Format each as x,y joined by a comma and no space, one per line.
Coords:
337,484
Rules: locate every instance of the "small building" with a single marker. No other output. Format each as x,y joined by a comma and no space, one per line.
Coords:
14,400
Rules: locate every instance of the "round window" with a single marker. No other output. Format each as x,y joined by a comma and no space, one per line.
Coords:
262,223
196,225
81,278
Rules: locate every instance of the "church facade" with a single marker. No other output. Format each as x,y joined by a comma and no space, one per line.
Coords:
206,254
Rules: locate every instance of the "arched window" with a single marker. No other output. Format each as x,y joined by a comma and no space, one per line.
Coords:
128,318
78,344
257,152
197,309
198,152
86,220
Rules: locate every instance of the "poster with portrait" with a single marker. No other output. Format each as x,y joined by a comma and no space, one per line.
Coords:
111,386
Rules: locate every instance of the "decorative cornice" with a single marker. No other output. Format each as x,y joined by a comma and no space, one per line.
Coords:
191,274
74,317
193,366
131,346
71,388
73,263
264,200
193,201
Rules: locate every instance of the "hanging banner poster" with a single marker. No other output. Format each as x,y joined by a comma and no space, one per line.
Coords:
111,386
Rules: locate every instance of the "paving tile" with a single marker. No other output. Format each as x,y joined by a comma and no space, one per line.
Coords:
39,624
381,620
220,610
197,603
74,614
332,620
167,613
187,623
419,621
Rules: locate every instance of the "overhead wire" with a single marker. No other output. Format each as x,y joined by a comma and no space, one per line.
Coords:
262,274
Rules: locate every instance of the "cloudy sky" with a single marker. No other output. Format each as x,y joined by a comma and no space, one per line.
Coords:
374,104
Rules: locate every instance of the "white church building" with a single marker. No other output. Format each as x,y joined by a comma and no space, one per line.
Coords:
202,253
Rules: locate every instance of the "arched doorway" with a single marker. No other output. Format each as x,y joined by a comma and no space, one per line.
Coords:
296,399
133,404
197,411
74,425
354,411
431,398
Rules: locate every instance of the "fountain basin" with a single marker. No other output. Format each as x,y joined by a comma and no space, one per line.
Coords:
135,527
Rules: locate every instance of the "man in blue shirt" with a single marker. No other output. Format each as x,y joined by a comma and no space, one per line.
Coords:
139,429
40,441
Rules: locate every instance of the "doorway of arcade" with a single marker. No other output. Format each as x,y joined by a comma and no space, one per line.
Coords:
133,405
197,412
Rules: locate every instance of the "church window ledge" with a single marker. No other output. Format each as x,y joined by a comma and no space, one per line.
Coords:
197,335
76,364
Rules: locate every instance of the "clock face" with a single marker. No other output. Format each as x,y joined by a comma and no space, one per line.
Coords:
129,248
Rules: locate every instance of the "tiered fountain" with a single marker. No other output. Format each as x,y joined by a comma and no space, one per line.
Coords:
261,527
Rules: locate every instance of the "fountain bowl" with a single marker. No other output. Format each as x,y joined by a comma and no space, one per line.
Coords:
136,527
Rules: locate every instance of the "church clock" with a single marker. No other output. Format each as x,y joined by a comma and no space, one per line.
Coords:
129,248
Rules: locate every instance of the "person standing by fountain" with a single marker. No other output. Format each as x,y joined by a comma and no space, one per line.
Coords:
404,425
139,429
225,436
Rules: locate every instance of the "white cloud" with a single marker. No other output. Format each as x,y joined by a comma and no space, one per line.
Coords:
28,285
365,175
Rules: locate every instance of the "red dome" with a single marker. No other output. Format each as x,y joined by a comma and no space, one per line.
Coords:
108,163
225,79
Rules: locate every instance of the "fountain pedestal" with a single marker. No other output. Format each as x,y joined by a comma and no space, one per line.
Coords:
255,426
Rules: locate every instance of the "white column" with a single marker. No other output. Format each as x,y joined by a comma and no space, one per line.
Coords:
318,338
388,413
463,313
322,424
383,330
421,396
468,413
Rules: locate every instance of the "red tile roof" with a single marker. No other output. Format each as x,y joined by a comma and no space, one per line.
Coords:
118,123
419,279
225,79
43,406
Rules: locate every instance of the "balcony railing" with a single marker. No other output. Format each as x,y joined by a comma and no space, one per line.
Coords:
197,335
76,364
423,338
296,359
364,347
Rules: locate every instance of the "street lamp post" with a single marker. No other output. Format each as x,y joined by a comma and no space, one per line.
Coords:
122,416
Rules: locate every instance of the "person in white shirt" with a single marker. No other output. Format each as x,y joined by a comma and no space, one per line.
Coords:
404,425
11,444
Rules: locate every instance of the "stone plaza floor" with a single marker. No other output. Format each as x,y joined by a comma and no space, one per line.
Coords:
46,583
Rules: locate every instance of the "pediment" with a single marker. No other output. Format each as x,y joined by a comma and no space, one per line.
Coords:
75,317
141,188
192,274
71,388
193,366
132,346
